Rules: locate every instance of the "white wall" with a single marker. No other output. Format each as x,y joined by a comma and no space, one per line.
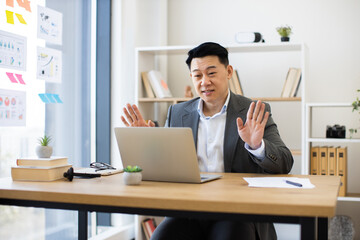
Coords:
329,28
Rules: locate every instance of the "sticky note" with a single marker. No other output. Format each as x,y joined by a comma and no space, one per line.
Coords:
10,17
57,98
19,78
11,77
50,97
20,17
43,98
10,3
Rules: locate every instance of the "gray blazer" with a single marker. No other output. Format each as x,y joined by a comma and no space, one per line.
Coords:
278,158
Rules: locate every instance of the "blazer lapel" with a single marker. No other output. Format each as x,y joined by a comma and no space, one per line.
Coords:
191,119
231,137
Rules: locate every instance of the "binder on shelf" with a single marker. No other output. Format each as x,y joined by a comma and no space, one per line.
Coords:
291,82
332,161
236,83
341,155
159,84
314,161
323,151
147,86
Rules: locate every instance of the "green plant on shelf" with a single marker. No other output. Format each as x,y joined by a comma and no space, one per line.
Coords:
284,31
356,107
132,169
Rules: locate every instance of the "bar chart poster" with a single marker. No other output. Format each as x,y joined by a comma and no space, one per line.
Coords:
12,108
49,65
12,51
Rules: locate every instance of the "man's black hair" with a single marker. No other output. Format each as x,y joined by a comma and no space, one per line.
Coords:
208,49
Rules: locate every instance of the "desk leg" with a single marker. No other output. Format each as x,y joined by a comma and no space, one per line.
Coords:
82,225
322,228
307,228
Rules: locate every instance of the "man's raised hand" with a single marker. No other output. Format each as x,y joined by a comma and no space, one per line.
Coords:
134,117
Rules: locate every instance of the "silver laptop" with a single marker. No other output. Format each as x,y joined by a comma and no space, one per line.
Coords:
164,154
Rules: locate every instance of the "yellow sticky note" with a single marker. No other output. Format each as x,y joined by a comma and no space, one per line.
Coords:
20,17
10,17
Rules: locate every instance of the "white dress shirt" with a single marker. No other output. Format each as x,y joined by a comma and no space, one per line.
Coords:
210,140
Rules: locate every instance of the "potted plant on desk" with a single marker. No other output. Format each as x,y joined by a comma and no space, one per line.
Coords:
44,150
132,175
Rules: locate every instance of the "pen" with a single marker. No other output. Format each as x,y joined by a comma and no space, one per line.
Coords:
294,183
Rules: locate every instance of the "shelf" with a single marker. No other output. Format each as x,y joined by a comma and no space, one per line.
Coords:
176,100
334,140
295,152
328,105
351,197
252,47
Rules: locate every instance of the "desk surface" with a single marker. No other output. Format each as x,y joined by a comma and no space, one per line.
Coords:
227,195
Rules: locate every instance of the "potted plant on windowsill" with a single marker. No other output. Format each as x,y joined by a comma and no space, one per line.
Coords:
284,32
132,175
44,150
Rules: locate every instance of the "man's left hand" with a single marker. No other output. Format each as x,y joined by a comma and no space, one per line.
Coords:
252,131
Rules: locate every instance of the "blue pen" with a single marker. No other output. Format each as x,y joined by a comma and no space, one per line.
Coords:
294,183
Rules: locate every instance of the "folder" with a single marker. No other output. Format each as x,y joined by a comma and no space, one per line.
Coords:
314,161
341,154
332,161
147,86
323,152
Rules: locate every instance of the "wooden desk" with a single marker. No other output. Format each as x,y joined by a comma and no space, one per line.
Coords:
227,198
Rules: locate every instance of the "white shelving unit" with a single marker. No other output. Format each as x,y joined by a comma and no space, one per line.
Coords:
310,140
156,58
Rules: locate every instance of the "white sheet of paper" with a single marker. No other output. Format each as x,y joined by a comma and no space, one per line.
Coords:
278,182
49,25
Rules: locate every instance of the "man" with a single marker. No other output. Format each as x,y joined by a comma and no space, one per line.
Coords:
232,134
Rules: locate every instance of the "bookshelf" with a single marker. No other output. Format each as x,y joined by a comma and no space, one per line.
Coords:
313,137
162,58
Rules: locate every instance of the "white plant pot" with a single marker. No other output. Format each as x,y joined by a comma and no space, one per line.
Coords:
44,151
132,178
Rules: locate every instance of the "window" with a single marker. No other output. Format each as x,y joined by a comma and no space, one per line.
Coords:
69,123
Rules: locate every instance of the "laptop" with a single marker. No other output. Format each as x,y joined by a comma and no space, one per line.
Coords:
164,154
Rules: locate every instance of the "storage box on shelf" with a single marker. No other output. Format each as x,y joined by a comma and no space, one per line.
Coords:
353,186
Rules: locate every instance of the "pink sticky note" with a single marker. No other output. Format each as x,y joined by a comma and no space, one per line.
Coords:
11,77
19,78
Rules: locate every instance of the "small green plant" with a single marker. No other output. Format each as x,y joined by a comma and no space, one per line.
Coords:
44,141
355,105
132,169
284,31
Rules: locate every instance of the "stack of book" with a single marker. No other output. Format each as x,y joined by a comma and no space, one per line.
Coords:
40,169
155,85
330,161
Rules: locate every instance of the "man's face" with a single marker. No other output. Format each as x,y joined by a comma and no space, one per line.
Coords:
210,79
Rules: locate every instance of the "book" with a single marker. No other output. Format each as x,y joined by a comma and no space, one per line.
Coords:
314,161
159,84
332,161
43,174
236,83
291,82
341,157
296,86
323,153
42,162
148,226
147,86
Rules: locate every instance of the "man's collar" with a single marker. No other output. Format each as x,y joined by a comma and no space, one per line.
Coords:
223,109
